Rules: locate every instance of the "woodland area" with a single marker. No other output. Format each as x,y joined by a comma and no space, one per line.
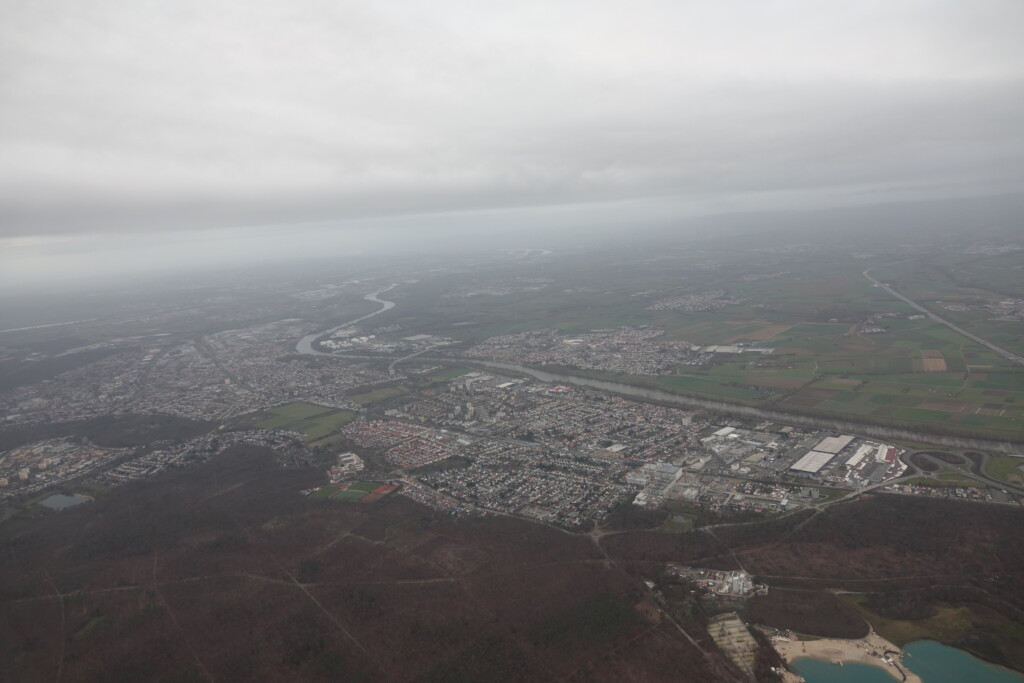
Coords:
109,431
225,569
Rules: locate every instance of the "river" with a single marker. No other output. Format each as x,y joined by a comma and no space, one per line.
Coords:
682,401
664,397
932,661
305,344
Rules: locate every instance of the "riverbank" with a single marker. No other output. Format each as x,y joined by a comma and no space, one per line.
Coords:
305,345
928,440
869,650
821,421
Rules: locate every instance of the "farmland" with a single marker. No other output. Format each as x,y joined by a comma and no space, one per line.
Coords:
841,346
974,290
1006,468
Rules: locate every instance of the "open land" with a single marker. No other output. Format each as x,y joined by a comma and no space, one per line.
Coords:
393,589
520,529
840,347
390,591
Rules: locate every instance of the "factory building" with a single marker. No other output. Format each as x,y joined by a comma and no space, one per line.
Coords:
833,444
812,463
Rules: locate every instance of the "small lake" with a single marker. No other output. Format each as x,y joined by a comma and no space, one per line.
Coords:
932,661
937,663
59,501
820,671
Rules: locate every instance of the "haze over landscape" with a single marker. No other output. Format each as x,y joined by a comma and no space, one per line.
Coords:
556,341
127,120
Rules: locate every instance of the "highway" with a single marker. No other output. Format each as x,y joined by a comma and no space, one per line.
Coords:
969,467
942,321
777,413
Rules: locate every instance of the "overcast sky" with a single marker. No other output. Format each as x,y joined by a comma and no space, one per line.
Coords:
146,116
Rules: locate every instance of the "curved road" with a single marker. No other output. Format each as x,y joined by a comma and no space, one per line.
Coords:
969,468
305,344
942,321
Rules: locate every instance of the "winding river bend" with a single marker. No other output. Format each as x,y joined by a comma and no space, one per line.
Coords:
305,344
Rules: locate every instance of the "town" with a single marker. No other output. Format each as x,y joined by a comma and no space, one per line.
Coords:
474,442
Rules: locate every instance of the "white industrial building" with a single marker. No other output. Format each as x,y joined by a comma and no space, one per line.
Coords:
859,456
833,444
812,462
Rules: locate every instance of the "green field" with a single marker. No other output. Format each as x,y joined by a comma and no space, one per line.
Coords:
377,395
446,375
973,627
316,422
948,624
879,384
351,494
1006,468
917,373
325,492
881,379
958,285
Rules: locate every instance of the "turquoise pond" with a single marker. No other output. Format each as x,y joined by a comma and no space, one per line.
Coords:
819,671
59,501
932,661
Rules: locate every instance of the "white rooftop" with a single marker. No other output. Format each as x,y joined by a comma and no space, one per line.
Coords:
812,462
833,444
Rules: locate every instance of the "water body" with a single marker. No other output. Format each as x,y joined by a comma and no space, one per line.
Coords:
59,501
305,344
667,398
679,400
932,661
818,671
937,663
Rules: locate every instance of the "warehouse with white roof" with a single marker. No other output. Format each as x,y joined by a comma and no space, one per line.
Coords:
833,444
811,463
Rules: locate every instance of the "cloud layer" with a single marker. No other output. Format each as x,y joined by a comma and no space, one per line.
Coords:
138,116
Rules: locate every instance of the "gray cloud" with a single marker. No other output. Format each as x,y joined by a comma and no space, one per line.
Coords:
131,116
